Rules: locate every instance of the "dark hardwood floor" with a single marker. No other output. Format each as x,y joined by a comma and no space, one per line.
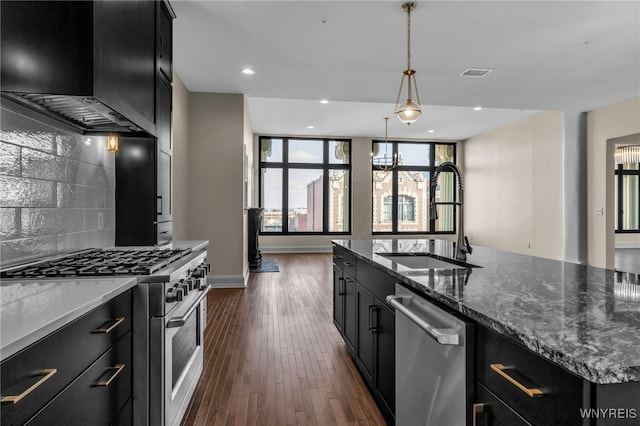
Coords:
274,357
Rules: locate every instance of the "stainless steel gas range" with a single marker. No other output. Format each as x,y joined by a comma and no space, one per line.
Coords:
169,315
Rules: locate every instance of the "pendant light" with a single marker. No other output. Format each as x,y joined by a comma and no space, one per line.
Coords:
386,162
629,154
409,111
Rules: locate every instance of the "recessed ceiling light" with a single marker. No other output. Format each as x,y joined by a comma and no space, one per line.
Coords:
430,131
310,127
248,71
478,108
324,101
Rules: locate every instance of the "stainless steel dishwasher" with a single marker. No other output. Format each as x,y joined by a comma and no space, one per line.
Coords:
434,363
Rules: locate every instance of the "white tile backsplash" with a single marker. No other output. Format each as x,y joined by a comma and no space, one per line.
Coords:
54,186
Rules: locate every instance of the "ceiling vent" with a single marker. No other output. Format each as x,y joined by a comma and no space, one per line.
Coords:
475,72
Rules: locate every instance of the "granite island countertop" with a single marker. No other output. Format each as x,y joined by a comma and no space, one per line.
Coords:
582,318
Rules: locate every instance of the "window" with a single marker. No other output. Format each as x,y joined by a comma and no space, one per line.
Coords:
305,185
627,198
401,196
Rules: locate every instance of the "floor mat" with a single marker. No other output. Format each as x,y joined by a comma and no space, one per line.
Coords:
268,265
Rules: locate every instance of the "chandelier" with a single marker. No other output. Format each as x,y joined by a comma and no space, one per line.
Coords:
409,111
629,154
386,161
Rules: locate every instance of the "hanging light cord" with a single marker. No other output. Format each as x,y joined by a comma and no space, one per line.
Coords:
409,6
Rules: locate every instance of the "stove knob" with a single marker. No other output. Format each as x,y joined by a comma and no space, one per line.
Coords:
174,295
198,272
179,294
185,288
190,284
197,284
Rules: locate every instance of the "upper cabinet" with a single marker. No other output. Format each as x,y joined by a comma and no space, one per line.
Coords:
90,63
164,39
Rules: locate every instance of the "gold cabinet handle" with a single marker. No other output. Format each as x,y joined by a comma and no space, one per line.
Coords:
108,330
118,368
373,329
477,408
14,399
532,392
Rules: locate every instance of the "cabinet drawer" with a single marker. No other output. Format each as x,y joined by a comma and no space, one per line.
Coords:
490,411
377,282
97,396
338,256
503,364
69,350
349,265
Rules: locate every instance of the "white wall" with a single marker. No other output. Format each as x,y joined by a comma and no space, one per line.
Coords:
603,125
215,208
513,186
247,140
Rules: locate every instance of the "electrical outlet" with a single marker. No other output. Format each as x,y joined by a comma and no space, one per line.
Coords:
100,220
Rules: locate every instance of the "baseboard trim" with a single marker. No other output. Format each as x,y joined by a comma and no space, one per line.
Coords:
227,281
627,245
316,249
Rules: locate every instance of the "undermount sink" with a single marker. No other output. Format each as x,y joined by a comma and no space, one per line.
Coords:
423,260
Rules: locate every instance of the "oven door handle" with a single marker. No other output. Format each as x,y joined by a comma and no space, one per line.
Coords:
180,321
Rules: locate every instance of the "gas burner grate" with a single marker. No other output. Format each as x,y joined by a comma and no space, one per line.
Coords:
100,262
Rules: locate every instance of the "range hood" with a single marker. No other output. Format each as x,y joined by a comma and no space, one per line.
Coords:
90,64
86,113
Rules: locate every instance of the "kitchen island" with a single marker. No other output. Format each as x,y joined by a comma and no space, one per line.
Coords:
585,320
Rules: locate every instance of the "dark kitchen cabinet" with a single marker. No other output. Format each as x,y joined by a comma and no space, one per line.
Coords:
366,307
86,53
144,166
491,411
376,348
136,199
163,115
164,39
350,312
164,154
164,186
65,369
344,300
338,298
508,369
367,324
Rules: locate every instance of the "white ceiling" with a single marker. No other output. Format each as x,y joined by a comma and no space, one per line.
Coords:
546,55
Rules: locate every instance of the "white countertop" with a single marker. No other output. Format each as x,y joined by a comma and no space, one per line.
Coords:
32,309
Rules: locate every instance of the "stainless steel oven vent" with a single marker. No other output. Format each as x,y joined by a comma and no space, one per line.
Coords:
85,112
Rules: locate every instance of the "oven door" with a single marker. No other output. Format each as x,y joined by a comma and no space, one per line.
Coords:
183,356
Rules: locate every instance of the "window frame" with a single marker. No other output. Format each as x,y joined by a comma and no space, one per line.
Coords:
325,166
620,173
413,168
